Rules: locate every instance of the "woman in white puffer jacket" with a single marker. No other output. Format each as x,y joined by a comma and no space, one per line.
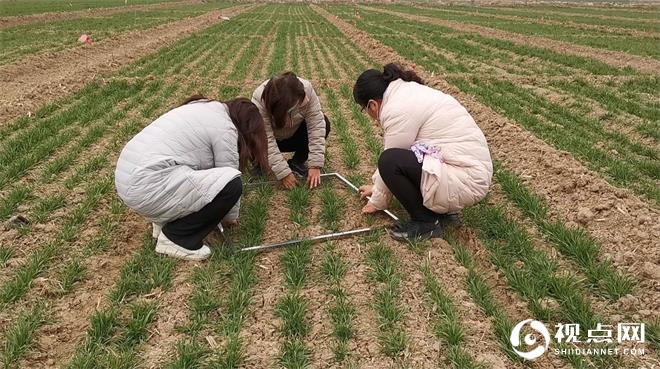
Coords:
436,159
182,171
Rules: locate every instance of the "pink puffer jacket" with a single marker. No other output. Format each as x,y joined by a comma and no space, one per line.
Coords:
411,112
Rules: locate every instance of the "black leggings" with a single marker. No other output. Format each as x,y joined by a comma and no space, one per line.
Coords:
402,174
299,142
189,231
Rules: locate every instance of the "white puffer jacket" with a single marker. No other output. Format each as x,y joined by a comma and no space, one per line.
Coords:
180,162
412,112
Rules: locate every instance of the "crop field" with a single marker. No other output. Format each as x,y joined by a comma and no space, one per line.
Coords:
567,96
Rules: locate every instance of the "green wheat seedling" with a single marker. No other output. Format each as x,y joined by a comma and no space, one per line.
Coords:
277,61
298,201
350,154
47,206
627,173
145,272
20,333
639,45
292,308
342,312
653,333
15,197
68,276
6,254
332,206
574,243
136,330
325,56
392,338
189,354
21,41
42,140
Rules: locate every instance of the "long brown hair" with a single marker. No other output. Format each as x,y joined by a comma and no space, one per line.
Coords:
281,93
252,141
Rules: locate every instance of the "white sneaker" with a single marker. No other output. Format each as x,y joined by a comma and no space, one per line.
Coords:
156,229
167,247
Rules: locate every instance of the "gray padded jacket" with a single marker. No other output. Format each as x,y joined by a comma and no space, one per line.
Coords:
180,162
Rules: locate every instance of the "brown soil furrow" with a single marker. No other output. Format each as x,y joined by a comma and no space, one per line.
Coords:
20,20
173,313
622,222
261,329
423,347
320,339
33,81
614,58
69,317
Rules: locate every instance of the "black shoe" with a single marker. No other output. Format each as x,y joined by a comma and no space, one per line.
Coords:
417,231
447,220
298,168
400,225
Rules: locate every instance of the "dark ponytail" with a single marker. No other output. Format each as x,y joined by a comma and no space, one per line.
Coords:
252,141
371,84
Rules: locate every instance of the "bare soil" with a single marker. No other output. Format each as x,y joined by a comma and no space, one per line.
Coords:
36,80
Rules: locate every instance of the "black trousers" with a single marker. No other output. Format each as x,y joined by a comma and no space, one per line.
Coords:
299,142
402,174
189,231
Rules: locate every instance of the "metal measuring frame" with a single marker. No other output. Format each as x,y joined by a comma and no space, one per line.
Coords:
323,237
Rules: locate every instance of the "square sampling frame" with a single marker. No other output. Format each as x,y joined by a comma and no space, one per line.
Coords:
322,237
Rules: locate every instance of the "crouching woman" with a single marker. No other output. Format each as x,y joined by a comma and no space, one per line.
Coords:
436,159
182,171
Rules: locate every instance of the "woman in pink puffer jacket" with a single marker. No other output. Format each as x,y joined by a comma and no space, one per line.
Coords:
436,159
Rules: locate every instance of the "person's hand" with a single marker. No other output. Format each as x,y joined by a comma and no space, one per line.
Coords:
289,181
369,209
229,223
366,191
314,177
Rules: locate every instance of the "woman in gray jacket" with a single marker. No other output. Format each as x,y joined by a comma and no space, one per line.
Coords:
182,171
